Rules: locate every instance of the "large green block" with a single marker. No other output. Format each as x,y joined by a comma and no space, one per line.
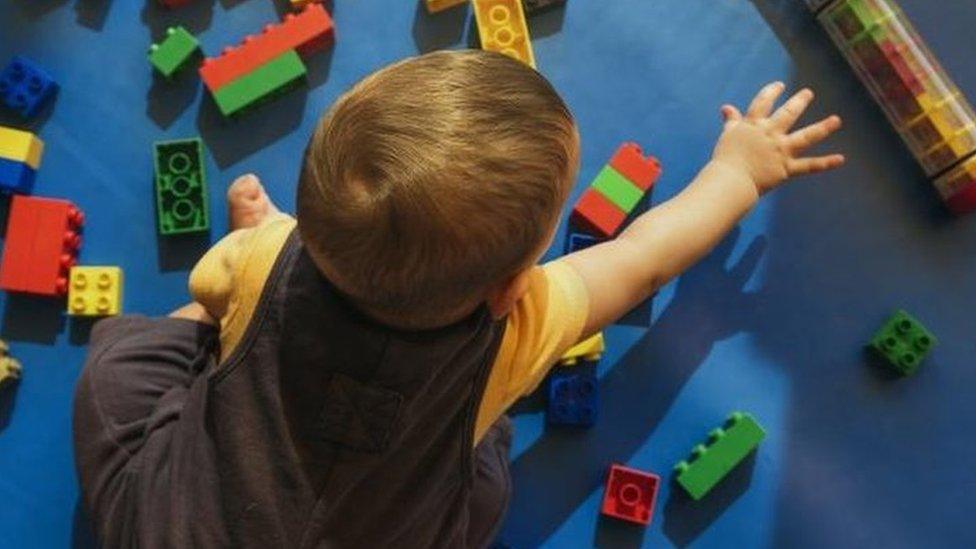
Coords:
174,52
903,343
617,189
181,187
272,78
726,447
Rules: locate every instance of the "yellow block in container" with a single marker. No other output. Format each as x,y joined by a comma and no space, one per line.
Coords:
21,146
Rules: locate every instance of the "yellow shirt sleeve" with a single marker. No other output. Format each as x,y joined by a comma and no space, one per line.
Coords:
230,277
546,322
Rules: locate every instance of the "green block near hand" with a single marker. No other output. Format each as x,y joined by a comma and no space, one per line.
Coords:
617,189
174,52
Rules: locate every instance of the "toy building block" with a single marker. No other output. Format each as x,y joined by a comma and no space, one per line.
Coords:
590,349
26,87
726,447
21,146
580,241
958,187
502,28
95,291
572,400
302,4
616,191
175,52
630,494
264,83
903,342
535,6
10,368
309,31
181,187
42,244
16,177
434,6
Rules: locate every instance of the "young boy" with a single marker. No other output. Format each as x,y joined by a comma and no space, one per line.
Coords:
369,350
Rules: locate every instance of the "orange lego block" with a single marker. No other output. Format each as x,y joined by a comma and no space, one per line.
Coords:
630,162
502,28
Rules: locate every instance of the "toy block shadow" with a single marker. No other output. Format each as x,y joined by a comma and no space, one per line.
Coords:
92,13
685,519
79,329
283,7
82,535
547,22
31,318
180,252
35,9
565,467
168,99
434,31
195,17
8,397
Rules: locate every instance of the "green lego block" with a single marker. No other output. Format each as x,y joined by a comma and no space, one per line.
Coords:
903,342
617,189
181,187
726,447
274,77
175,52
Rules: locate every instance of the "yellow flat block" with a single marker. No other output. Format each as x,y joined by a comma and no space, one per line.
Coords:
21,146
434,6
589,349
95,291
502,28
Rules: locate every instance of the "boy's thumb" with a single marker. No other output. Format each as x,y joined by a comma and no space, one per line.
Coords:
730,114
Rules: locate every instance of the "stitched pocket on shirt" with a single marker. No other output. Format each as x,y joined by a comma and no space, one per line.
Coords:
358,416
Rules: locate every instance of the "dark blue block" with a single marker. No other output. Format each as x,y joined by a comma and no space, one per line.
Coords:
16,177
572,399
639,315
580,241
25,87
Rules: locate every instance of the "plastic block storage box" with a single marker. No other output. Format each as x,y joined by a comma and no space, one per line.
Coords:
616,191
923,104
572,399
41,245
630,494
95,291
502,28
175,52
726,447
181,187
25,87
903,343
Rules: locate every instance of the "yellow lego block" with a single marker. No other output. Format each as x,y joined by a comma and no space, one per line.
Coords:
502,28
434,6
589,349
21,146
9,367
95,291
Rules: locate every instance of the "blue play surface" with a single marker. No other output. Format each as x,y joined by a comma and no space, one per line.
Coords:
773,322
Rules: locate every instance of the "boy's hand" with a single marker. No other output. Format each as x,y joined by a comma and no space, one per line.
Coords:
761,146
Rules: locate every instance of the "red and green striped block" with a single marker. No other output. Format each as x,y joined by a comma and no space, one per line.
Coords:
616,191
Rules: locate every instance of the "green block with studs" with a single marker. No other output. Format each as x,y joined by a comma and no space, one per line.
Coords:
267,81
617,189
174,52
903,343
181,187
725,448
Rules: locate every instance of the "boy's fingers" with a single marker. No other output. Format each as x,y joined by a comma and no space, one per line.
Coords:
762,105
816,164
809,136
730,114
793,109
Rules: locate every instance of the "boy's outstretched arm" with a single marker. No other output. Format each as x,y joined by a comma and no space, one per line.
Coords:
755,154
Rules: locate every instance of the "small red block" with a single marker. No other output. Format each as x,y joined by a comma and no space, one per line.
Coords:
597,215
630,494
630,162
41,246
963,201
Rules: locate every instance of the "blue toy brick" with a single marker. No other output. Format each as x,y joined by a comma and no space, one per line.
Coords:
580,241
572,399
16,177
25,87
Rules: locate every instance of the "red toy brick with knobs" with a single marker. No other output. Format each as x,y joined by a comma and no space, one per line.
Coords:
41,245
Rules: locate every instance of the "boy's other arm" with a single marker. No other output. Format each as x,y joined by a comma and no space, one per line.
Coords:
755,154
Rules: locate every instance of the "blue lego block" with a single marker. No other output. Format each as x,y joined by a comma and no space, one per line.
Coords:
25,87
16,177
572,399
580,241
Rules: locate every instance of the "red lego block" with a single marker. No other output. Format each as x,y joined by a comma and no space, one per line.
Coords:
630,494
41,247
630,162
306,32
963,201
595,214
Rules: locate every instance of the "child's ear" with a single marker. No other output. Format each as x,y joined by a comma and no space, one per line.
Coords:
503,297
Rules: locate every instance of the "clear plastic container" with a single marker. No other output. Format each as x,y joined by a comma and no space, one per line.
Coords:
921,101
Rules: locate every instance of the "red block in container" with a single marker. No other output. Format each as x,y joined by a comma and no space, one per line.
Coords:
630,494
964,200
595,214
41,246
630,162
306,32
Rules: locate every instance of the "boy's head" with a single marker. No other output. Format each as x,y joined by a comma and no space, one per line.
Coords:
434,184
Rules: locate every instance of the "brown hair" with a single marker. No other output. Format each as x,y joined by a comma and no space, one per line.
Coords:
433,179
